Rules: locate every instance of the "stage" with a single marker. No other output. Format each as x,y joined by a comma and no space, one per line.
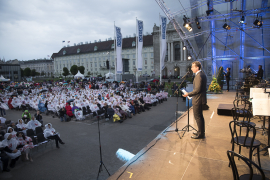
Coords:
173,158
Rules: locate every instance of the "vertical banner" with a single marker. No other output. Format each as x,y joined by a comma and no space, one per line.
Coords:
119,64
140,44
163,44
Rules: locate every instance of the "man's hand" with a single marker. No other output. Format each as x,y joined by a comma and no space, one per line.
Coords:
15,151
185,95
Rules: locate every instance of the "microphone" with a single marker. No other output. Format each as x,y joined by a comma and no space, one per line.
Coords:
186,75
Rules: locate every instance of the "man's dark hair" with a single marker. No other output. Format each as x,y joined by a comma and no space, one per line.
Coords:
260,66
197,64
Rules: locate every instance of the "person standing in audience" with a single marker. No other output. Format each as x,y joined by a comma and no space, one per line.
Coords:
50,133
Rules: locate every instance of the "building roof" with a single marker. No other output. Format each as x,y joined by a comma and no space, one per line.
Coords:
36,61
102,46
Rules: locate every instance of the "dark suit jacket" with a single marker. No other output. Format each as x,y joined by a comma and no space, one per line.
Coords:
199,89
228,74
260,74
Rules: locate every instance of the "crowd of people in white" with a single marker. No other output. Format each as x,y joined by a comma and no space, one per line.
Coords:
65,102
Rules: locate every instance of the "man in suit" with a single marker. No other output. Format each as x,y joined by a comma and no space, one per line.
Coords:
198,98
260,73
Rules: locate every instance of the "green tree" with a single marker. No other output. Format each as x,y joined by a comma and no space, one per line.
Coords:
220,77
37,73
33,72
74,69
42,73
27,72
65,72
89,73
81,69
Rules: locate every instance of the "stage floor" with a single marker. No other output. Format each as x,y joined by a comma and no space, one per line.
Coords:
173,158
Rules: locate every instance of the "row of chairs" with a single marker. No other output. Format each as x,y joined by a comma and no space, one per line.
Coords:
243,133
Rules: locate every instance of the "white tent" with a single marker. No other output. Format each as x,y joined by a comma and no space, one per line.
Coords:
3,79
79,75
109,75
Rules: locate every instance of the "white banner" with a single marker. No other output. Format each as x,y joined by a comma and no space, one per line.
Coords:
163,44
119,64
140,44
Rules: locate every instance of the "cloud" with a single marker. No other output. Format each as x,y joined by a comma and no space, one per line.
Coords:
33,29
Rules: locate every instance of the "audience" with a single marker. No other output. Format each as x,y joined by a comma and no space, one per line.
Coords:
10,145
50,133
27,144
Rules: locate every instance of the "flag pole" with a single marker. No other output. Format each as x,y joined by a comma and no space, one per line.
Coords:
114,54
136,40
160,57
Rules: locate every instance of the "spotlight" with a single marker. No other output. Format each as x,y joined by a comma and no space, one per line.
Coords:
189,57
226,26
184,48
187,24
208,12
198,23
242,21
258,23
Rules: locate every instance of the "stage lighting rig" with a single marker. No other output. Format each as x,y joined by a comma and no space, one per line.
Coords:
257,22
198,23
189,57
187,24
184,48
242,20
226,26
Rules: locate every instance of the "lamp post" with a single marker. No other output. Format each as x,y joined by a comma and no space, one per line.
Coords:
135,70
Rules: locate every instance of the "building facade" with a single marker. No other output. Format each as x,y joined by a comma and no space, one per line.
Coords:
93,57
43,66
176,60
10,71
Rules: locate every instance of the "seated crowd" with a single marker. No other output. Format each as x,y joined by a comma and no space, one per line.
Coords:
18,139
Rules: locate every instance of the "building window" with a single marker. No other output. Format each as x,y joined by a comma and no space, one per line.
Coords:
78,50
152,54
145,62
112,46
64,52
152,67
133,44
145,54
134,63
95,64
113,63
127,55
177,52
133,55
145,67
95,48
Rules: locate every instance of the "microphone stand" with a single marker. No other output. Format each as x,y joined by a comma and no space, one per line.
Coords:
177,91
100,153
